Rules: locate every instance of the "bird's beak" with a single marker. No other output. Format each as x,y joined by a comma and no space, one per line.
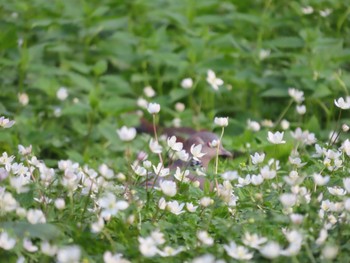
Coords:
225,153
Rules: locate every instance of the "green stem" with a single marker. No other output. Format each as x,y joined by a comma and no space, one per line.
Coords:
217,158
283,113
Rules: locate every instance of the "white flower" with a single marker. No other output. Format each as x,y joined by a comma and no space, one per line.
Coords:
343,104
264,53
267,123
126,134
271,250
206,201
187,83
257,179
238,252
62,93
179,107
213,80
29,246
168,188
24,150
175,208
253,125
162,203
69,254
139,170
320,180
230,175
267,173
6,123
169,251
35,216
196,151
147,246
253,240
322,237
7,202
153,108
191,208
301,109
6,242
142,103
346,182
181,176
155,146
97,227
296,218
326,12
285,124
257,158
48,249
307,10
297,95
330,252
160,170
205,238
345,127
175,146
275,138
336,190
295,239
108,257
346,147
182,155
23,98
60,203
221,121
110,206
149,91
288,199
158,237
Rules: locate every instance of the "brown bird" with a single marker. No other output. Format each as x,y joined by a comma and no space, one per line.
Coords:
191,137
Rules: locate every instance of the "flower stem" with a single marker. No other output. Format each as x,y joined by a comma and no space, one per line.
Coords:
156,138
283,113
217,158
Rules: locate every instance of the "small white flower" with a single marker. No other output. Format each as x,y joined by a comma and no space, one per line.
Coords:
29,246
179,107
60,203
24,150
206,201
162,203
175,146
238,252
139,170
175,208
253,240
168,188
36,216
205,238
187,83
23,98
153,108
108,257
196,151
346,182
336,190
257,179
169,251
69,254
160,170
326,12
126,134
191,208
320,180
181,176
297,219
48,249
257,158
6,242
213,80
264,53
345,127
275,138
62,93
285,124
6,123
297,95
142,103
230,175
221,121
149,91
288,199
155,146
301,109
253,125
307,10
343,104
271,250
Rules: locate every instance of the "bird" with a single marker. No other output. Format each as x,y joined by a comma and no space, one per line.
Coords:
189,136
